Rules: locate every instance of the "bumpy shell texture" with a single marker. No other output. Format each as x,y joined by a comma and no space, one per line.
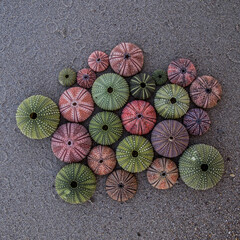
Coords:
163,173
98,61
134,153
110,91
205,92
139,117
142,86
181,72
126,59
37,117
86,77
76,104
201,166
121,185
102,160
75,183
71,142
105,128
169,138
67,77
160,77
171,101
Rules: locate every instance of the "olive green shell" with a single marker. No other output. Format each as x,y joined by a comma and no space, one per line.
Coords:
160,77
125,153
168,109
37,117
110,91
67,77
105,128
84,179
142,86
201,166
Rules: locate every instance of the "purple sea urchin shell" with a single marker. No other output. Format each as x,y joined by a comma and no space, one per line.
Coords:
86,77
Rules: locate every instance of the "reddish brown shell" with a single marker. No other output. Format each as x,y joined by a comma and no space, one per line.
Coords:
181,72
205,91
86,77
76,104
98,61
169,138
102,160
139,117
71,142
121,185
126,59
163,173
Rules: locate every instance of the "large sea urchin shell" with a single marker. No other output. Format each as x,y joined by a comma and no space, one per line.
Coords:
98,61
86,77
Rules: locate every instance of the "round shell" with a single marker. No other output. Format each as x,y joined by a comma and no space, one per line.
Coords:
160,77
197,121
86,77
75,183
71,142
67,77
110,91
121,185
169,138
98,61
37,117
138,117
102,160
142,86
105,128
171,101
181,72
201,166
205,92
76,104
162,174
134,153
126,59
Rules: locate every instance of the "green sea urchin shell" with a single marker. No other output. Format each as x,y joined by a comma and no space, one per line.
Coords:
37,117
142,86
171,101
160,77
105,128
201,166
110,91
67,77
134,153
75,183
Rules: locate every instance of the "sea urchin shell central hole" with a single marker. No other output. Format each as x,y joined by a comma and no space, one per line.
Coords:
67,76
139,116
74,104
204,167
85,76
105,127
73,184
110,90
69,143
143,85
183,70
120,185
98,59
208,90
173,100
126,56
163,174
134,153
33,115
101,161
171,138
160,76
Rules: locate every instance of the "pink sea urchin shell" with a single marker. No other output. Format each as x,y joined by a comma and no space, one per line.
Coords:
86,77
76,104
139,117
98,61
71,142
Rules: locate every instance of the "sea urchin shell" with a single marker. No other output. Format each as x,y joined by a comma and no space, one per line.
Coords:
160,76
86,77
98,61
67,77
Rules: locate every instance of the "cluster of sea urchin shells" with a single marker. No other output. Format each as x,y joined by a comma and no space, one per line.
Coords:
201,166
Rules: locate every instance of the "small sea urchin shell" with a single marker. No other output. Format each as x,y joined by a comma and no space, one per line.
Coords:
205,92
75,183
110,91
86,77
142,86
196,121
201,166
76,104
160,77
163,173
105,128
121,185
134,153
181,72
98,61
138,117
71,142
171,101
126,59
102,160
67,77
37,117
169,138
